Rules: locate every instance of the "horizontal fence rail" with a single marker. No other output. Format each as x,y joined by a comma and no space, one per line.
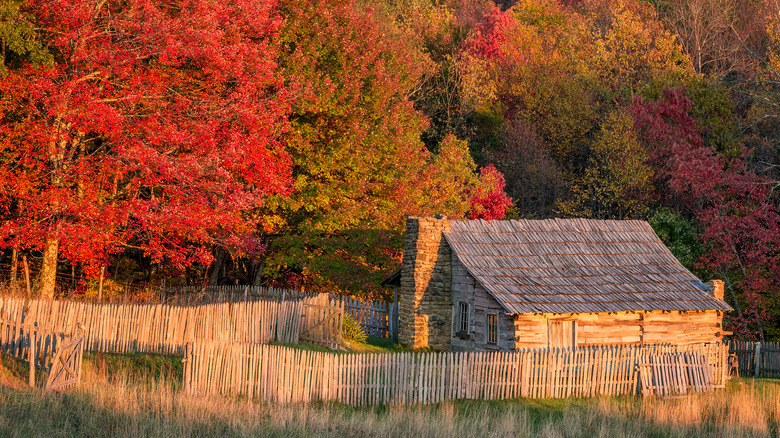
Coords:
760,359
280,374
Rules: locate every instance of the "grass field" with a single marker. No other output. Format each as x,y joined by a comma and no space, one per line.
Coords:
139,395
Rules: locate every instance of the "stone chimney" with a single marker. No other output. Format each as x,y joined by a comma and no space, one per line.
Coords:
716,288
425,296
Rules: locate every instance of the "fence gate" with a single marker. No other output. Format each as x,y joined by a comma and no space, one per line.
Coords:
674,374
321,322
66,365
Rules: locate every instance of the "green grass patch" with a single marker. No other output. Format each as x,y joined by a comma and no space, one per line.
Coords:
377,345
371,345
151,367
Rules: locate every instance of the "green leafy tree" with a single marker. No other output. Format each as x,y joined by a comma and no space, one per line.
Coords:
19,40
679,234
615,183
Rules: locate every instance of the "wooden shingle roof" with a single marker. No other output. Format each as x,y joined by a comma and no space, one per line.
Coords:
576,266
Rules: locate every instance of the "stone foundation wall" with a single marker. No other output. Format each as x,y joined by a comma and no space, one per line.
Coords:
424,299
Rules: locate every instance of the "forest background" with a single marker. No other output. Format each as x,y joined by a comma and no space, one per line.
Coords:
282,142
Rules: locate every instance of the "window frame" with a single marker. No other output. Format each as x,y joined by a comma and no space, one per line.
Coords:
488,327
464,320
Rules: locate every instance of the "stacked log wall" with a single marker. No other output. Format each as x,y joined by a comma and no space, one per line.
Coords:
624,328
465,289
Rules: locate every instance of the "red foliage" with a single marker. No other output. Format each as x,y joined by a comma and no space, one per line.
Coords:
671,136
490,34
734,206
155,128
490,202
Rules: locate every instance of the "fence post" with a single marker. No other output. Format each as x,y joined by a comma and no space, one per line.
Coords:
185,361
26,274
31,356
80,354
757,360
393,316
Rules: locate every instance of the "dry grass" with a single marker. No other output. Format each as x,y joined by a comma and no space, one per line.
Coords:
145,400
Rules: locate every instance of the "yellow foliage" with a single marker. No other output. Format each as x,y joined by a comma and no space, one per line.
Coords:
615,182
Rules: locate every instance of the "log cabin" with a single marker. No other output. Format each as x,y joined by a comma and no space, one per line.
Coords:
505,285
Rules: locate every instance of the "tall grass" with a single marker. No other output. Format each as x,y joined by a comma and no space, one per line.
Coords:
142,397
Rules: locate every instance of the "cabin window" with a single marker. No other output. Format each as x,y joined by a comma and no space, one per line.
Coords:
492,328
463,322
562,334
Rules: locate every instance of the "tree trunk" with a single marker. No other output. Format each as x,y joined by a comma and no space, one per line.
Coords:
49,268
100,286
216,266
258,269
14,268
26,274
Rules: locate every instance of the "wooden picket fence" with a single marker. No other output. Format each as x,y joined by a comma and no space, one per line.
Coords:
55,353
377,318
675,374
756,358
162,328
280,374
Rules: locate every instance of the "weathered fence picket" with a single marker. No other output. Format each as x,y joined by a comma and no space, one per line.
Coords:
44,350
163,328
757,358
281,374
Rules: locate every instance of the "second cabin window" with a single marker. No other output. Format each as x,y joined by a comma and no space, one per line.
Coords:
492,328
464,318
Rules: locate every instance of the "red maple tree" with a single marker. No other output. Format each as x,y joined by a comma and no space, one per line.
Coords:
489,201
734,206
155,128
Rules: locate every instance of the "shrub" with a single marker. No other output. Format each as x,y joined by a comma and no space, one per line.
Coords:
351,330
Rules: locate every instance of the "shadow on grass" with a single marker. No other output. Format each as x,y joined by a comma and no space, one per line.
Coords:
150,367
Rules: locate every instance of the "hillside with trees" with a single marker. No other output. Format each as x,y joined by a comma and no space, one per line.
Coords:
282,142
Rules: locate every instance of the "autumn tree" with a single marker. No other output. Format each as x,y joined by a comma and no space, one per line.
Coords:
615,183
533,179
704,28
734,207
155,128
440,29
359,164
